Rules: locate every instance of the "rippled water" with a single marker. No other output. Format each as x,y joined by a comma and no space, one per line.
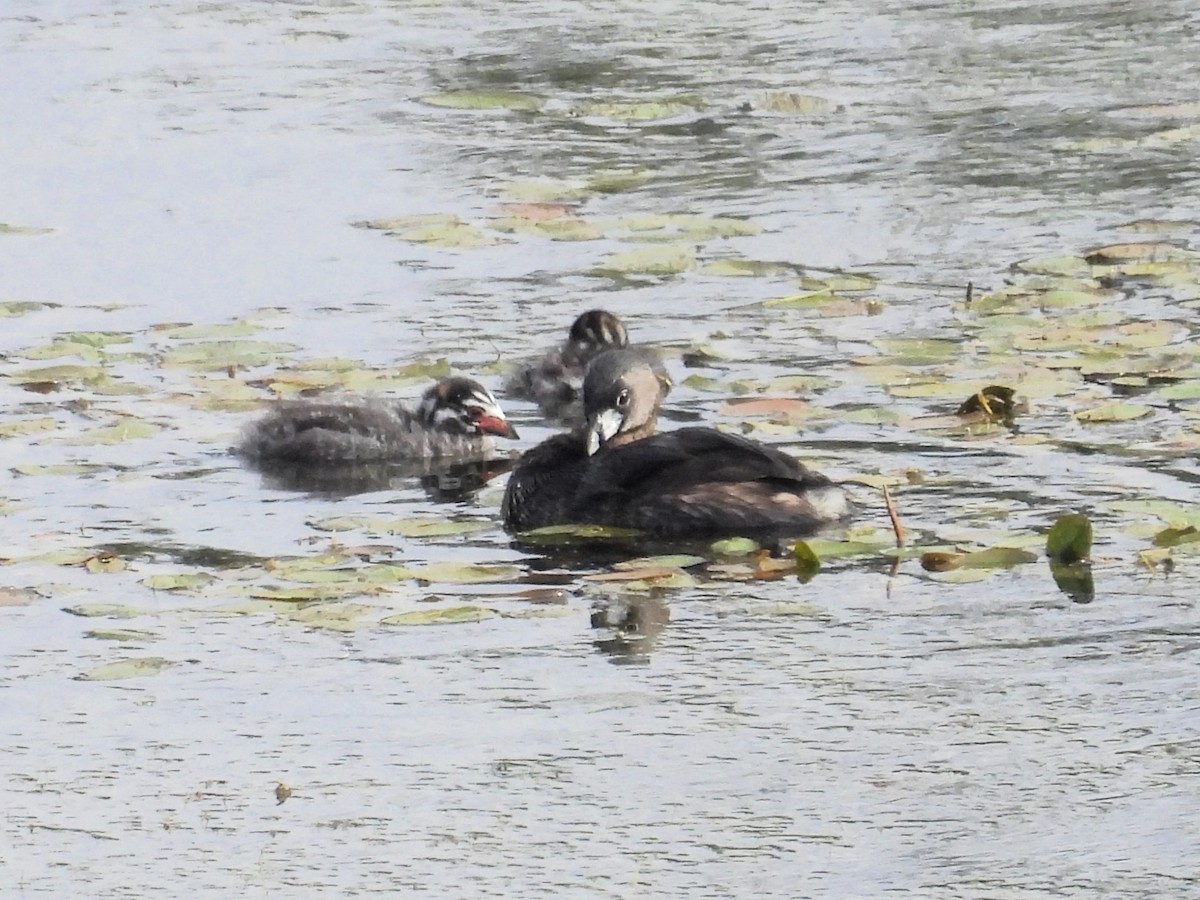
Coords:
870,732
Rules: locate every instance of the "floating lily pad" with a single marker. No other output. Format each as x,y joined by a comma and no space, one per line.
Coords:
213,355
1114,412
808,563
674,561
636,111
737,546
465,573
210,331
791,104
342,617
59,375
477,100
57,469
665,259
454,615
127,668
547,190
645,573
124,635
458,234
746,268
1139,252
407,527
27,426
183,581
11,308
5,228
127,429
104,610
553,535
616,181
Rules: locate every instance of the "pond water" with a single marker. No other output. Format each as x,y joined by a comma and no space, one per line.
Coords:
211,685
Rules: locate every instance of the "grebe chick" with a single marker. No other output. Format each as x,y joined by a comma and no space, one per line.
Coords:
454,421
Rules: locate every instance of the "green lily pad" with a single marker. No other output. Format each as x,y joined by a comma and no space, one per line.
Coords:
454,615
5,228
458,235
1114,412
664,259
477,100
57,469
617,181
105,610
183,581
554,535
57,349
807,561
127,668
27,426
1175,514
547,190
127,429
13,308
124,635
1186,390
1070,539
792,104
997,558
1056,265
737,546
465,573
214,355
674,560
343,617
636,111
59,375
746,268
210,331
421,528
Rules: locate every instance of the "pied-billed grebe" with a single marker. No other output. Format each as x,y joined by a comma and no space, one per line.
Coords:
694,481
555,381
454,421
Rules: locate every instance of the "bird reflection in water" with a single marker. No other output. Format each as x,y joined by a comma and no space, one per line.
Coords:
631,626
444,482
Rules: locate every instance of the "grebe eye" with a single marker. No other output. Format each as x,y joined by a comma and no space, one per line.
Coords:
623,399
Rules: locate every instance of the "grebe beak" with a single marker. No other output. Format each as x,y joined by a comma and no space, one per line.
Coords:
602,428
497,425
